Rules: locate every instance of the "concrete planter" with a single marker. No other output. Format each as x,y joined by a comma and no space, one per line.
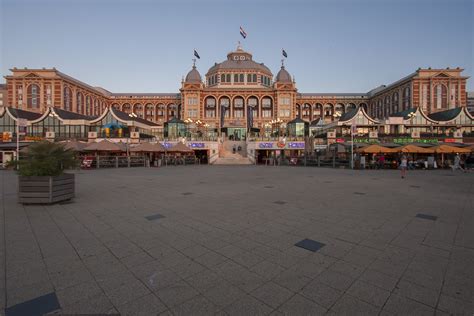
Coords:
42,190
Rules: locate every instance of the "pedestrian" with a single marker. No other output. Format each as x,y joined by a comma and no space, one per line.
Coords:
233,149
457,163
403,166
381,161
362,162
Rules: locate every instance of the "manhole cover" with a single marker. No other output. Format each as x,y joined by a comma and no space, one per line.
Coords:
187,193
280,202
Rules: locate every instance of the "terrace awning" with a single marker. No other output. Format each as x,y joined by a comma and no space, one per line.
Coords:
412,149
106,145
148,147
446,149
376,149
181,148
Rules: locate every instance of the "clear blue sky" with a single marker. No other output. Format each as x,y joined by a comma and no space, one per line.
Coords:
147,46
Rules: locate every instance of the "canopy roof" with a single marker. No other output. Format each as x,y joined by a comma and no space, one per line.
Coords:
376,149
149,148
180,147
412,149
75,145
106,145
446,149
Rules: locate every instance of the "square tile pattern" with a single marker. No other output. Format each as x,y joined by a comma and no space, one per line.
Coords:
38,306
228,249
426,216
154,217
311,245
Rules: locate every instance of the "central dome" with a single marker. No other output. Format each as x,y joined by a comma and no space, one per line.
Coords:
239,60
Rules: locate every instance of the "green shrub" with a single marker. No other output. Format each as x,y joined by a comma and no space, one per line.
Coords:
46,159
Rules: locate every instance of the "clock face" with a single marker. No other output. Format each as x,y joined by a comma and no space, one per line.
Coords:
236,57
242,57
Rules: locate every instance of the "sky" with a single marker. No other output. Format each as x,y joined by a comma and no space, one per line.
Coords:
147,46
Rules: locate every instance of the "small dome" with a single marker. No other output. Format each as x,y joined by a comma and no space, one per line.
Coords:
283,75
193,76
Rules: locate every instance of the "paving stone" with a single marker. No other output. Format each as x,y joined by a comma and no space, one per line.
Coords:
320,293
247,305
92,305
223,294
298,305
146,305
204,280
348,305
198,305
454,306
40,305
267,270
379,279
417,293
369,293
272,294
176,294
78,292
335,280
292,279
400,305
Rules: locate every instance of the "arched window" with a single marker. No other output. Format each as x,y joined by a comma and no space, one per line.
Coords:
172,111
318,111
238,107
386,106
339,109
88,105
441,96
328,111
210,107
138,109
160,112
33,99
252,102
267,107
350,107
364,106
224,106
395,102
67,99
126,108
116,106
149,112
379,108
80,103
96,107
406,98
306,112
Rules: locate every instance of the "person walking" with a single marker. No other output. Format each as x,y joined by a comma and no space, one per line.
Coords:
403,166
362,162
457,163
381,161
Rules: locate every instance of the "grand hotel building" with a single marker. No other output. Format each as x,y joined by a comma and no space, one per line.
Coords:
238,93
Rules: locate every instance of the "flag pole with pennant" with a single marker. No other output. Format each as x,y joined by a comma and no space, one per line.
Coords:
243,33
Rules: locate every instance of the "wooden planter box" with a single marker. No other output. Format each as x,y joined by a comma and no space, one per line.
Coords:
40,190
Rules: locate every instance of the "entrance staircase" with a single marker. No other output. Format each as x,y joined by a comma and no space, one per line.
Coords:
227,157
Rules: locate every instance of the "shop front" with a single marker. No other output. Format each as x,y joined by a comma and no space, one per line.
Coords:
274,151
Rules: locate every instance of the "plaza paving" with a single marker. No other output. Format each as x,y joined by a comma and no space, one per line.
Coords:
220,240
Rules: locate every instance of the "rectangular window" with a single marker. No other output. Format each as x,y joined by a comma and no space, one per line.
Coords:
192,113
236,78
241,77
249,78
227,78
284,101
266,113
285,113
192,101
222,78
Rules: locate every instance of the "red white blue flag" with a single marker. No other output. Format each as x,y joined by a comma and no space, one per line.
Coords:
242,32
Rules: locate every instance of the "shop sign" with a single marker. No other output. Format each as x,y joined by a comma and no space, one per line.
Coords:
365,140
296,145
167,145
340,140
197,145
33,138
281,144
450,140
320,147
415,140
265,145
6,137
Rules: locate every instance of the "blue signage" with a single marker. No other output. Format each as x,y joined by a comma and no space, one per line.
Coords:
197,145
167,145
296,145
265,145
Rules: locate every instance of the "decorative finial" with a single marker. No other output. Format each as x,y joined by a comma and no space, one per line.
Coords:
282,63
239,46
194,62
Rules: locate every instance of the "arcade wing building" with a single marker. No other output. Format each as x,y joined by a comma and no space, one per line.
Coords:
236,96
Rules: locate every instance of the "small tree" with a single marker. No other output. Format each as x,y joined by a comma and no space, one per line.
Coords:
46,159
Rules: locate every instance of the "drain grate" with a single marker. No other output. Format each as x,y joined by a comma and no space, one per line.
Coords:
280,202
187,193
359,193
269,187
309,244
154,217
38,306
415,186
426,216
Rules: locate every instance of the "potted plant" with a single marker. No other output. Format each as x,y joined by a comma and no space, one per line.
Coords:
41,174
